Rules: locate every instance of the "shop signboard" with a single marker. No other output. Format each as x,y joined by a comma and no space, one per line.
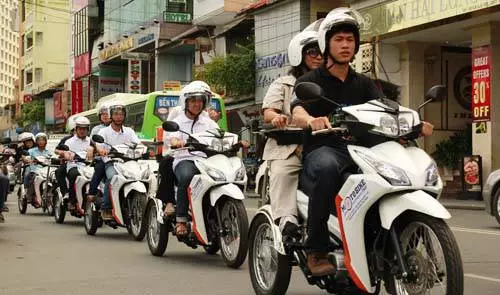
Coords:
267,69
134,76
59,107
172,86
481,83
76,97
110,80
391,16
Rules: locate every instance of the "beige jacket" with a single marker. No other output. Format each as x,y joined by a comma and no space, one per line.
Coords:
279,97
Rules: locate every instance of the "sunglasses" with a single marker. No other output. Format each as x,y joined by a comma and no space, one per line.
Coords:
313,52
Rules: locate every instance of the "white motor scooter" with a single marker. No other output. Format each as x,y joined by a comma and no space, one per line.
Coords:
129,191
388,225
218,218
81,188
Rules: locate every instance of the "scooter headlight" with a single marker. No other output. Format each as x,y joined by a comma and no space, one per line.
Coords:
134,174
431,174
394,175
214,173
387,126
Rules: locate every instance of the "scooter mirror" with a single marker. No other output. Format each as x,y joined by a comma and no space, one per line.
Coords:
308,91
170,126
436,93
97,138
6,140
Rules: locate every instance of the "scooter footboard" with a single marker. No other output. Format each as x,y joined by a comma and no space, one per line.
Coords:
394,205
277,238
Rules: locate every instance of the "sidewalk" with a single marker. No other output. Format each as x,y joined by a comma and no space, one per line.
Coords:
447,203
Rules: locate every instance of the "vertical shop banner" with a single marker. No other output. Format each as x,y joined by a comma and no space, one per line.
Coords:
76,97
59,108
481,77
134,76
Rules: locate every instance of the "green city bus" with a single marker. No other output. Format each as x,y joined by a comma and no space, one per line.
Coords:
146,112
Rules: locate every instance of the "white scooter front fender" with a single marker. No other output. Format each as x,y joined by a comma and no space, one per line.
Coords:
159,211
277,238
134,186
230,190
392,206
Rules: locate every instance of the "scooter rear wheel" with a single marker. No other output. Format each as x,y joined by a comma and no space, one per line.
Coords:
22,203
157,233
90,219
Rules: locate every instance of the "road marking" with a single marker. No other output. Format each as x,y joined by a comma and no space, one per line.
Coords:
470,275
476,231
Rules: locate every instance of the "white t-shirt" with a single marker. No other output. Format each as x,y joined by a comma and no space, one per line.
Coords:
124,136
78,146
203,124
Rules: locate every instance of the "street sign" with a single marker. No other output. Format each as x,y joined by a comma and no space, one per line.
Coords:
135,55
176,17
172,85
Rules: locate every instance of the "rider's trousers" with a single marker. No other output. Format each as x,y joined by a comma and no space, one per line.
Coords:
4,189
184,171
321,179
283,184
72,175
166,190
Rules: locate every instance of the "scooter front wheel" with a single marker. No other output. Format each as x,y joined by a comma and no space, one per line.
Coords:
157,233
138,222
234,228
91,219
60,210
22,203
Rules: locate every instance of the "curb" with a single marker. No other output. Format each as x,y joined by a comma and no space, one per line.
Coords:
464,207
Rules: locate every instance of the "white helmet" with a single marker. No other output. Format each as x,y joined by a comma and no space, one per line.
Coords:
314,26
298,43
82,122
117,106
103,109
26,136
70,124
40,135
195,88
337,17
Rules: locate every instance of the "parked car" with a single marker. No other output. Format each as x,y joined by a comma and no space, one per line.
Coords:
491,194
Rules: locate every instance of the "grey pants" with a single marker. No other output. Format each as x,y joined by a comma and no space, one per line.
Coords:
283,185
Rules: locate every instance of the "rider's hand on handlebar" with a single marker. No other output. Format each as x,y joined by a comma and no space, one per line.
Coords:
176,142
280,121
102,151
69,156
319,123
427,129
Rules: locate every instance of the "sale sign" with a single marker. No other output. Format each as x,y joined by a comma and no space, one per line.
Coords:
134,76
481,77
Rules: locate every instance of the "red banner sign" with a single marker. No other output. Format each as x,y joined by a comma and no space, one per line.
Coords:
481,77
27,98
76,97
59,107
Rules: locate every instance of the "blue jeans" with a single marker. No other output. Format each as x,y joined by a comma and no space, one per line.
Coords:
184,171
99,174
110,172
321,180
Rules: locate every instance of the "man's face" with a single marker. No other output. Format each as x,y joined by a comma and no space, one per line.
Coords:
118,117
195,105
82,132
342,46
42,143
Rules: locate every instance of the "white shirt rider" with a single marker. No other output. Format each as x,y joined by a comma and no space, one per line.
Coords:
202,124
125,136
79,146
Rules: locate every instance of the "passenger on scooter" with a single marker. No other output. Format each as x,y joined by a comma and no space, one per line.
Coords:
60,172
114,134
79,145
194,101
326,157
284,160
99,167
166,191
39,150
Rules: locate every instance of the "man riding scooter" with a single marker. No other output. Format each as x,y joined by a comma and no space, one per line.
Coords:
114,134
79,144
39,150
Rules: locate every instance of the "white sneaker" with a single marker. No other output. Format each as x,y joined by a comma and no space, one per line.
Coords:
66,197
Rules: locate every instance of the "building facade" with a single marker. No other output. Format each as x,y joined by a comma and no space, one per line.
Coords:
419,44
44,51
9,52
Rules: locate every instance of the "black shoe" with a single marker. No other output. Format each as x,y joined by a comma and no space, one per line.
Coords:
5,209
2,219
290,232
